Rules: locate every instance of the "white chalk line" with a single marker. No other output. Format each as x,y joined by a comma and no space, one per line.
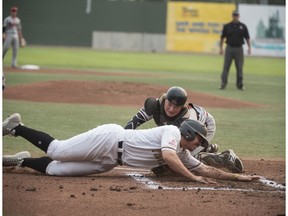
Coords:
272,184
139,170
153,185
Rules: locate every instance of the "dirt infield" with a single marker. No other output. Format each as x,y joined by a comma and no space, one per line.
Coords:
116,193
108,93
119,192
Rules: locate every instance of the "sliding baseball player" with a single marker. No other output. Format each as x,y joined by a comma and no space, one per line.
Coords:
107,146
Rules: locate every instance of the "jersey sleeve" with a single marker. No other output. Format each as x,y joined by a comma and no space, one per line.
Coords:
171,139
246,33
224,32
140,118
5,23
211,127
205,118
190,162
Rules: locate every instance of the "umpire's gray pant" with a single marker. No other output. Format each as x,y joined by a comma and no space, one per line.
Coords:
235,53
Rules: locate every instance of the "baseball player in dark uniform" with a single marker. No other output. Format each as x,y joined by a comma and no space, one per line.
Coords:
102,148
235,32
172,109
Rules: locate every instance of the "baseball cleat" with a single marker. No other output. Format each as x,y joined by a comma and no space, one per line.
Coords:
10,123
227,159
16,159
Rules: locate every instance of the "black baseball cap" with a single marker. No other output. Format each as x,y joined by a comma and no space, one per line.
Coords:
235,13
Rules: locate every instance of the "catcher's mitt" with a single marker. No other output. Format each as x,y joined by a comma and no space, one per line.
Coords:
23,42
163,170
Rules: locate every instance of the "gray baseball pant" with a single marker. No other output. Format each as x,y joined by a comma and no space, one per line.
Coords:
237,54
11,39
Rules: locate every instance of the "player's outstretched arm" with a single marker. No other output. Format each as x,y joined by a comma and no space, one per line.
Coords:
174,163
140,118
215,173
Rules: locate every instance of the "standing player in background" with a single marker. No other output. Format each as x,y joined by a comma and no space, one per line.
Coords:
12,35
235,32
172,109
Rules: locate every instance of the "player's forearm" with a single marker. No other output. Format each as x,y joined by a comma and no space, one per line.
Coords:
215,173
221,43
20,35
140,118
248,43
174,163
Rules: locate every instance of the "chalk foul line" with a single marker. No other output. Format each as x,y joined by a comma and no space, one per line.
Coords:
153,185
272,184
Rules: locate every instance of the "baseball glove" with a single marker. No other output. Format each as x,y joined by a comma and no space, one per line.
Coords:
162,171
23,42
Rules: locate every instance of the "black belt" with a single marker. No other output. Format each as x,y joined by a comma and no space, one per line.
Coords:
120,150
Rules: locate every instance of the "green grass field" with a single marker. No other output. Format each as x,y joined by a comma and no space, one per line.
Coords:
252,133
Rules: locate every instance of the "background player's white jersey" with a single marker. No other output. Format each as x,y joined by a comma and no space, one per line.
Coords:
12,25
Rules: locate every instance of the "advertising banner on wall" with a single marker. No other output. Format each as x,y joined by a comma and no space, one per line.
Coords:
266,25
196,27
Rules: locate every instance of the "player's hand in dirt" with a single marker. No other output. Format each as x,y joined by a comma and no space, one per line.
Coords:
247,178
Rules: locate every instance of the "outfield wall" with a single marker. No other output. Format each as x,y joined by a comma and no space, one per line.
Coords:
71,23
139,42
196,27
147,26
266,26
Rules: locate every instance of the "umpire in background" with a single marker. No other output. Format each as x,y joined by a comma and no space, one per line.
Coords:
234,32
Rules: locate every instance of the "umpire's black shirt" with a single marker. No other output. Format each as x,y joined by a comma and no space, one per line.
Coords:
235,32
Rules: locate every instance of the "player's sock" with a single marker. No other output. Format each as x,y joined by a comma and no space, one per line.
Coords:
37,138
38,164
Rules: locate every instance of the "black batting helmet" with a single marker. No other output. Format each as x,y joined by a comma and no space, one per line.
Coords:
189,128
177,96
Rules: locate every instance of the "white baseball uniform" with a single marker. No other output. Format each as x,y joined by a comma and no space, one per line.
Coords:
97,150
12,28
